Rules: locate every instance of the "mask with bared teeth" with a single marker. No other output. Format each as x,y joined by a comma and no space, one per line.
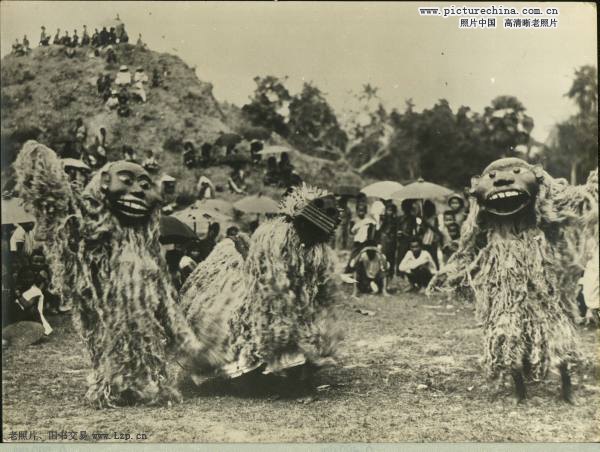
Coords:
130,192
507,187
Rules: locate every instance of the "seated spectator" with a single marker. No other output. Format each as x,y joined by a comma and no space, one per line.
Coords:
57,39
236,181
66,40
123,109
112,36
173,257
205,188
140,75
206,159
106,87
17,48
140,44
31,303
189,155
44,38
588,291
113,100
150,163
139,79
190,259
21,242
370,268
417,265
271,173
85,37
26,48
75,39
124,37
129,154
123,77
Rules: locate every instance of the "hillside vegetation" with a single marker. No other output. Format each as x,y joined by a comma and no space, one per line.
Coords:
45,92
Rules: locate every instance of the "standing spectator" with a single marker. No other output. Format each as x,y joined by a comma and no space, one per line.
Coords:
417,265
57,39
155,78
451,243
370,267
95,41
343,230
140,44
236,181
189,155
255,147
26,48
74,39
285,169
388,236
207,244
113,100
112,36
206,159
80,134
409,226
457,206
103,37
44,38
271,173
22,241
363,230
85,37
431,238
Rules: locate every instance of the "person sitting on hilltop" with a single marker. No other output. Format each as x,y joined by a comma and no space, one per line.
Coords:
57,39
123,76
236,181
112,36
140,44
103,38
111,56
285,168
129,154
124,37
107,83
206,159
85,37
75,39
272,172
150,163
44,38
95,41
66,39
26,48
113,101
205,188
189,155
17,48
139,78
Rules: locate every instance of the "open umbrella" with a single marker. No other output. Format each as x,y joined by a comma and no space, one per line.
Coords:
219,205
74,163
257,204
13,212
271,150
422,190
228,139
173,230
382,189
199,215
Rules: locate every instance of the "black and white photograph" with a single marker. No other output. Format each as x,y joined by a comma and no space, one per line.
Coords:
299,222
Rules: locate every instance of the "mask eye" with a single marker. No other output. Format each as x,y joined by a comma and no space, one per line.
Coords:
492,174
125,178
145,184
517,170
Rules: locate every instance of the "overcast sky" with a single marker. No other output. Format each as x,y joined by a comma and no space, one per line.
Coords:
341,46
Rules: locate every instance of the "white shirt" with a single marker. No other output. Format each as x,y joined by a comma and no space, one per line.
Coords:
361,229
410,262
17,237
32,293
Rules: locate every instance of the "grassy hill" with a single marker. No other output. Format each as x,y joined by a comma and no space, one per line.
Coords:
45,92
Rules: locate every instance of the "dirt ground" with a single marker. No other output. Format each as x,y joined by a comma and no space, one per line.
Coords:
408,372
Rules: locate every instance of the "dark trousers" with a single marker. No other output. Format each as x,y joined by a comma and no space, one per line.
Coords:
419,277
